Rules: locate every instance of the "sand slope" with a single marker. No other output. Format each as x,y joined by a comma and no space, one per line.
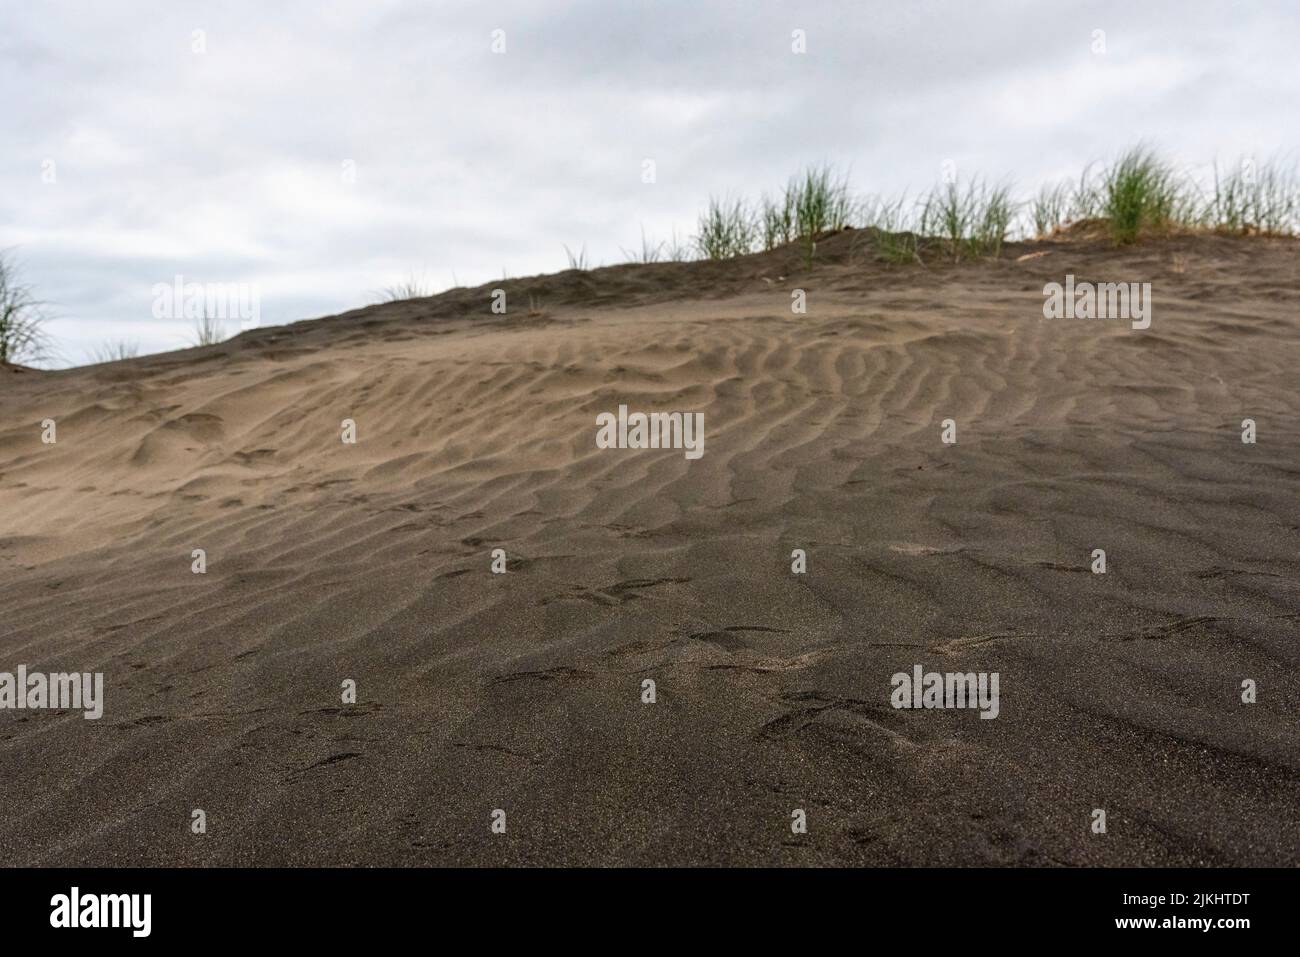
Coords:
522,691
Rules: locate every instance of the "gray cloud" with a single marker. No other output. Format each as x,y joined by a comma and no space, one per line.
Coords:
227,165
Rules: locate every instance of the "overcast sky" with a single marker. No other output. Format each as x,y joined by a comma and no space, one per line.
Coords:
320,151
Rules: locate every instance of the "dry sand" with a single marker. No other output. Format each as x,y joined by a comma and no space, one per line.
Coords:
523,691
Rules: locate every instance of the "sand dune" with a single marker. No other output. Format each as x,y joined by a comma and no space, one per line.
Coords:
522,691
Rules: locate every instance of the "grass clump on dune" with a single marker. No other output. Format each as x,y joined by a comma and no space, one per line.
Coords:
973,221
678,250
1140,193
650,251
814,202
578,259
1252,200
895,235
115,351
726,229
1050,209
777,220
208,331
22,317
410,288
822,203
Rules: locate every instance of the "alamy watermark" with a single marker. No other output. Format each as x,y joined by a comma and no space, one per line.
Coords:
651,430
130,911
210,300
1107,300
58,691
944,690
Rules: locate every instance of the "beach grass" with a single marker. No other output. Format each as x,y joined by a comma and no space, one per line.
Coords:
115,351
726,229
208,331
413,287
22,317
577,258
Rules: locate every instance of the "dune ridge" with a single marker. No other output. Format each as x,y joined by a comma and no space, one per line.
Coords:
522,691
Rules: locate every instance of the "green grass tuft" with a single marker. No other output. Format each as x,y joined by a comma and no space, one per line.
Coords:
1139,194
973,221
895,229
726,229
777,220
822,203
1254,200
1050,209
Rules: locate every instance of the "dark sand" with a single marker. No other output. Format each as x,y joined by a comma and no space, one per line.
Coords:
522,691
